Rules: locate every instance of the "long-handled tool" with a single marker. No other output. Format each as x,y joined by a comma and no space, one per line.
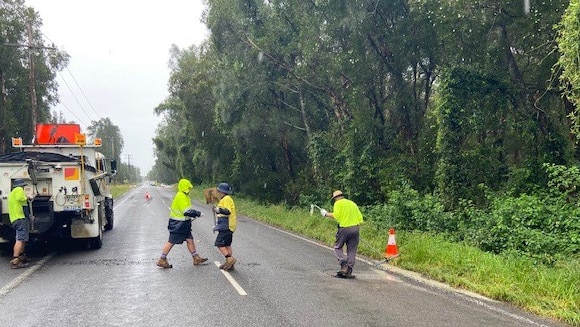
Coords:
31,216
312,206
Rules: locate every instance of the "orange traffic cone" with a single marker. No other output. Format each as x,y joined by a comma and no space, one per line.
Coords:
391,251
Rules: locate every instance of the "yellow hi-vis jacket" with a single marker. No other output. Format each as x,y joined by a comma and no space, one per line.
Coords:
181,201
346,213
16,201
227,202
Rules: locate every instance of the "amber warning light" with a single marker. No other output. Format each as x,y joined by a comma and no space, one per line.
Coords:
80,139
16,141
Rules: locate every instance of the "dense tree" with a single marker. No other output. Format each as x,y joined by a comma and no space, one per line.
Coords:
164,170
112,147
569,62
27,72
111,136
297,98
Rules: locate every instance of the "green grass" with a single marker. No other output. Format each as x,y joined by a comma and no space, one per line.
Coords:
119,189
552,292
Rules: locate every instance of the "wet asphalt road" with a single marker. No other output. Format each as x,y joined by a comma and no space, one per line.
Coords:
280,280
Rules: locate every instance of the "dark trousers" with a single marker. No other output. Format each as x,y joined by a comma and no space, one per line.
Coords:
348,236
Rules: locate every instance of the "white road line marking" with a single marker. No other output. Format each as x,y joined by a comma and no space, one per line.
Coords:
16,281
231,280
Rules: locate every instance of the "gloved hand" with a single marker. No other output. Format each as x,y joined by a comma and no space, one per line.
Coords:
192,213
221,211
323,212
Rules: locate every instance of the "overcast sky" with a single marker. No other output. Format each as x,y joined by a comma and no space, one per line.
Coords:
119,54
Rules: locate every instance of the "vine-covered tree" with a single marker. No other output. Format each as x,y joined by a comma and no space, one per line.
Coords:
569,62
293,99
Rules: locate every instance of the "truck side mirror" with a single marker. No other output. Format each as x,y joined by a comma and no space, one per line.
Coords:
113,166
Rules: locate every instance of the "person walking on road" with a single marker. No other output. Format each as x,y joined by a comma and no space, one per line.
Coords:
179,225
17,211
226,225
348,216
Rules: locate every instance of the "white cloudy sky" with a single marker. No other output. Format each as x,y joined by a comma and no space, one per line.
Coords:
118,68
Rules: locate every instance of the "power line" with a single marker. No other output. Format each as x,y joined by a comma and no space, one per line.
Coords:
74,114
73,93
75,97
83,93
30,46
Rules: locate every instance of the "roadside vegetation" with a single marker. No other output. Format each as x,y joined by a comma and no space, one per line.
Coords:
536,280
119,189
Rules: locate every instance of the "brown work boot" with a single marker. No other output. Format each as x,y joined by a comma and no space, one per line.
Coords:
197,259
163,263
229,264
224,267
343,271
17,263
24,258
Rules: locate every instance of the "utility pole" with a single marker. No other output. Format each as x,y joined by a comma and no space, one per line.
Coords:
31,81
31,76
3,102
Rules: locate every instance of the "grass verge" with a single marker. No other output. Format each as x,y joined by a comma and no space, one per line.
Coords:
119,189
552,292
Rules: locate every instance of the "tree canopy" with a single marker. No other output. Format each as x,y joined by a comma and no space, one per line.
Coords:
28,69
28,87
290,100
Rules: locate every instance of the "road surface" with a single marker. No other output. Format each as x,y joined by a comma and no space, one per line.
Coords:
280,280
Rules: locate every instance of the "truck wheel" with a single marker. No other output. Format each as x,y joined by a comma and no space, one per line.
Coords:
109,214
96,243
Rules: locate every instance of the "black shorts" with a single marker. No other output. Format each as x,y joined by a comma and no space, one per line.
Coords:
224,238
179,231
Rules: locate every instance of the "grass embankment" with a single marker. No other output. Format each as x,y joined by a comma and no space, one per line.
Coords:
552,292
119,189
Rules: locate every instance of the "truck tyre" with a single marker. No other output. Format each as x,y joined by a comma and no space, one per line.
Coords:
96,243
109,214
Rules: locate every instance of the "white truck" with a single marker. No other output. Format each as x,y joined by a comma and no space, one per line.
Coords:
68,181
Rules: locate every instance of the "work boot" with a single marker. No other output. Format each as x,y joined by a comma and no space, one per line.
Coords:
224,267
343,271
348,273
229,264
24,258
163,263
16,263
197,259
